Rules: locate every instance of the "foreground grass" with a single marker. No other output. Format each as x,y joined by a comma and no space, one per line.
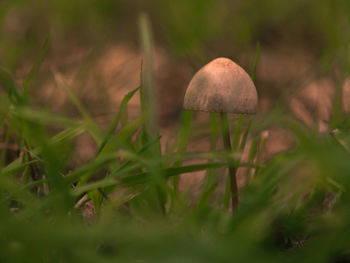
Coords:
294,209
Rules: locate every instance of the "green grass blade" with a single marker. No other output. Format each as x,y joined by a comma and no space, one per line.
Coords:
36,66
7,81
238,132
117,141
252,155
62,137
185,131
143,178
257,54
206,195
43,117
62,83
93,129
123,136
67,134
91,167
12,195
149,100
94,186
97,199
149,103
184,134
245,136
116,120
140,152
15,166
168,172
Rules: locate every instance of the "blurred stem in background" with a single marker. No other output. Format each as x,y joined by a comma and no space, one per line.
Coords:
149,104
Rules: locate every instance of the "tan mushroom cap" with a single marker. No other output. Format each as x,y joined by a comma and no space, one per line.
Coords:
221,86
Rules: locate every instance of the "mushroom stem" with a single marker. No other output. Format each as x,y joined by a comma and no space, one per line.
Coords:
231,168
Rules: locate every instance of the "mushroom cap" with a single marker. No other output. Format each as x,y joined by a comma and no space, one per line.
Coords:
221,86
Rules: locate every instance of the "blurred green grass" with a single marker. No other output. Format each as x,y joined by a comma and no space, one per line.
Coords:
195,28
294,209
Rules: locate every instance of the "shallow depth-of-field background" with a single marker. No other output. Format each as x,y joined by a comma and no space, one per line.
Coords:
100,163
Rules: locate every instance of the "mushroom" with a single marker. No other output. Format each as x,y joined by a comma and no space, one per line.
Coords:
223,86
